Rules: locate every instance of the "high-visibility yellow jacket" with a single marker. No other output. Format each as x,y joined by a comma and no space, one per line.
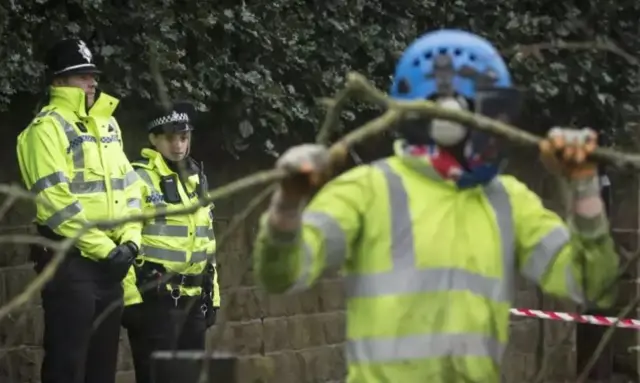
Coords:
429,268
74,161
180,243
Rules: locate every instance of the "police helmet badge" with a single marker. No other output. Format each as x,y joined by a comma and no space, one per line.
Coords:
84,51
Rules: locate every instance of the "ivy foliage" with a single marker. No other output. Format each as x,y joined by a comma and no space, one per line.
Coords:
257,67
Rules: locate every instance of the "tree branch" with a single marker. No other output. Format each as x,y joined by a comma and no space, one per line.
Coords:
604,44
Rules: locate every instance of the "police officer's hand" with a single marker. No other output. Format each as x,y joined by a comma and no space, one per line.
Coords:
311,163
564,152
120,259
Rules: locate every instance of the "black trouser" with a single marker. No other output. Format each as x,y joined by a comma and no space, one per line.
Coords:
158,324
77,295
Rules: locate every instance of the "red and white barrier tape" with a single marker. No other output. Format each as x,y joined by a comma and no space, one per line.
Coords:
580,318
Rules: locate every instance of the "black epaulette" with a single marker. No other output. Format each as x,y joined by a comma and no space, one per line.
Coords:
140,162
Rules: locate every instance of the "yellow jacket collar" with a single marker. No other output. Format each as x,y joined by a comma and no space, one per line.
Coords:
74,99
104,106
156,160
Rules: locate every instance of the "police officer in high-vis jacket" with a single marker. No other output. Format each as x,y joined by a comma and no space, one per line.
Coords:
176,313
71,156
432,237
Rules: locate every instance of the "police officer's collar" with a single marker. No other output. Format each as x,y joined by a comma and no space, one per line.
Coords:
190,165
74,99
160,162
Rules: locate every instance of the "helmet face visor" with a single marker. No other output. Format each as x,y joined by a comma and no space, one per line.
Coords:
504,104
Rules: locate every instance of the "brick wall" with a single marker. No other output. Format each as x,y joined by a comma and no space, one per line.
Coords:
279,339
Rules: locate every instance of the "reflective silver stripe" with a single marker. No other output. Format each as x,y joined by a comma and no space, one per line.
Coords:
424,346
302,283
402,245
198,256
543,254
335,242
335,239
155,198
164,254
172,255
175,230
203,231
405,278
498,198
408,281
165,230
48,181
99,186
145,177
78,185
134,203
129,179
87,187
63,214
75,143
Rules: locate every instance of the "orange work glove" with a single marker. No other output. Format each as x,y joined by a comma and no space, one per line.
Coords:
564,152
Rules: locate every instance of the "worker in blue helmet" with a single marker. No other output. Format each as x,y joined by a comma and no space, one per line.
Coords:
431,238
457,70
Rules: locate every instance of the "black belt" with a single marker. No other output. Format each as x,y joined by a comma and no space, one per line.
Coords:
151,270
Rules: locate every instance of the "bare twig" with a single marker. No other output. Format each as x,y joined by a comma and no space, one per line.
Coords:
606,45
163,94
7,205
334,109
154,68
11,339
28,239
515,135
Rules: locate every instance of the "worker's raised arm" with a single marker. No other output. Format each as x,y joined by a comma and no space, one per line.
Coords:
293,246
575,259
41,155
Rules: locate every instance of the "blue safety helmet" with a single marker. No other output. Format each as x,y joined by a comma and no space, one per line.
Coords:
456,63
415,68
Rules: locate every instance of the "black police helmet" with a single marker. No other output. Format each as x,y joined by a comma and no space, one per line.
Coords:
178,120
70,57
